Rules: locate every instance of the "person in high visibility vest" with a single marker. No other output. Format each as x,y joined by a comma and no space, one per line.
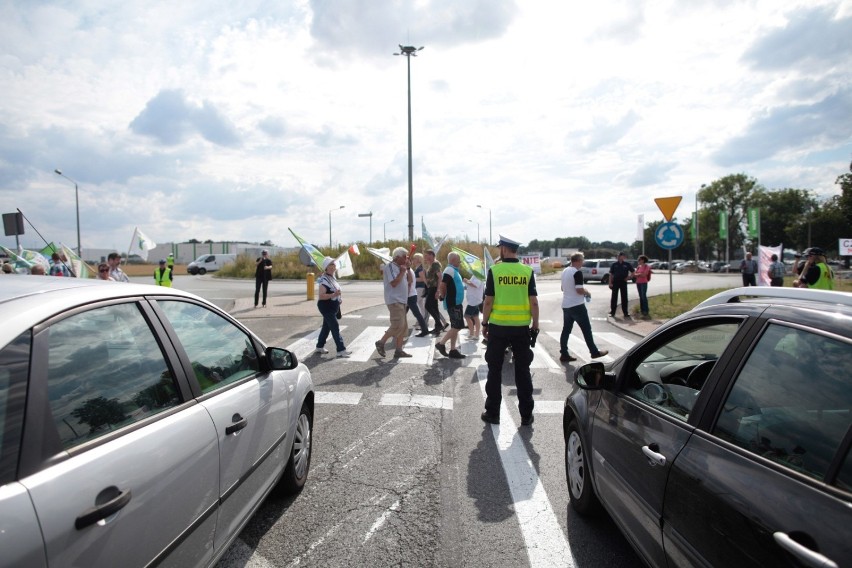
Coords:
163,275
816,272
509,319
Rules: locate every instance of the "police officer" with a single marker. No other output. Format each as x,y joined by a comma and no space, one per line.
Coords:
510,319
163,275
816,272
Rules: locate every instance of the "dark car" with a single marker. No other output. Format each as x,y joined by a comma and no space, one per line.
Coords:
722,439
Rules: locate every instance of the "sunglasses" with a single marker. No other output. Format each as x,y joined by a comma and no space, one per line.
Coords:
103,270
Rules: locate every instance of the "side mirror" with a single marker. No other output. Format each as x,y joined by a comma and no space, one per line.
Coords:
593,376
281,359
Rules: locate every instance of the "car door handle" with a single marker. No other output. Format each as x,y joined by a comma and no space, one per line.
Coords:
239,424
653,455
801,552
100,512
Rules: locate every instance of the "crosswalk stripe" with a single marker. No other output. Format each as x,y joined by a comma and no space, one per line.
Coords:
325,397
617,340
363,347
352,316
577,347
548,406
417,400
303,347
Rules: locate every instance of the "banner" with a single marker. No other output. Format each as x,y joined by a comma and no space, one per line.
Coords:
140,244
382,254
344,265
723,225
488,259
694,225
764,259
640,228
427,236
27,259
470,262
533,260
354,250
754,223
316,255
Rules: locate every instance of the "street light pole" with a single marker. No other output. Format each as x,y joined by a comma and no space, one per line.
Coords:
384,230
77,199
329,223
409,51
370,215
477,228
489,223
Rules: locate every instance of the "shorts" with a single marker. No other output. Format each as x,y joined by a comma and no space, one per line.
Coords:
456,318
398,321
471,311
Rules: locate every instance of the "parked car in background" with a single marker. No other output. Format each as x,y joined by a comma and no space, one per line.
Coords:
209,263
723,438
139,425
597,269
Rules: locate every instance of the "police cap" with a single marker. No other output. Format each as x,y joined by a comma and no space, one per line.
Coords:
508,243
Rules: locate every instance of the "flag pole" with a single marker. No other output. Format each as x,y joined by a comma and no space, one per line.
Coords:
130,246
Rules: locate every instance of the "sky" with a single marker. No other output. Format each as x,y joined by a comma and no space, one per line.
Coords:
236,120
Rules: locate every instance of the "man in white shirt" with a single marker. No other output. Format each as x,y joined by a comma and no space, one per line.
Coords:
397,278
574,296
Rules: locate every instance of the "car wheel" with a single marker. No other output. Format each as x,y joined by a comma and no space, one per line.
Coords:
202,271
605,279
583,498
299,462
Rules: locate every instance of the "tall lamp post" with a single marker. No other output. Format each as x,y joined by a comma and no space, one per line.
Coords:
329,222
384,229
409,51
77,199
370,215
490,242
477,228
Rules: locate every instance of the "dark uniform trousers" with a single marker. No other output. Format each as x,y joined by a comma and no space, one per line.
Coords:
499,338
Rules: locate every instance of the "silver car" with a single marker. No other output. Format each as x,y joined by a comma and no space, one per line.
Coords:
139,425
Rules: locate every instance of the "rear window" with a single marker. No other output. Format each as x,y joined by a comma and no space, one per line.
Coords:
589,263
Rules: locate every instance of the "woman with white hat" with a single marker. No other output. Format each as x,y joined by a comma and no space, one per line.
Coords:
329,306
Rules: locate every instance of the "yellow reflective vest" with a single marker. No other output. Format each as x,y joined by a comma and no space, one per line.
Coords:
511,305
825,281
163,277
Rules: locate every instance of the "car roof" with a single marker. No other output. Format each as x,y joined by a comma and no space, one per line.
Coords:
28,300
779,294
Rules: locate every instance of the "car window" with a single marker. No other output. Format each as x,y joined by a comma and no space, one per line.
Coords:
605,264
671,376
791,402
219,351
589,264
14,368
105,370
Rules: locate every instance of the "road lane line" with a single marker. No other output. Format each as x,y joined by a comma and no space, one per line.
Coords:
303,347
616,340
545,540
417,400
326,397
381,520
577,348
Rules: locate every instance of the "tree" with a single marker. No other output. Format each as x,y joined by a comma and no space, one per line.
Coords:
783,214
98,412
845,204
733,194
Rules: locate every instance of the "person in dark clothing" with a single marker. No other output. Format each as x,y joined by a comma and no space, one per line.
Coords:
262,276
748,267
619,273
434,273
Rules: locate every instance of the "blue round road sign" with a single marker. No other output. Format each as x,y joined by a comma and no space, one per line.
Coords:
669,236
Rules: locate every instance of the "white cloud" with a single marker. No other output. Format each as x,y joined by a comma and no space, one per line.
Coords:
236,120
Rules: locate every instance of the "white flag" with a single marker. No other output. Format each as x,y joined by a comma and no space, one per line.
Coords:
140,244
640,228
344,265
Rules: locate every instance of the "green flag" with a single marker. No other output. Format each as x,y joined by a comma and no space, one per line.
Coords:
754,222
723,225
316,255
470,262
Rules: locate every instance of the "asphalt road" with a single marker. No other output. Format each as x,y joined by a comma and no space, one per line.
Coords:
404,473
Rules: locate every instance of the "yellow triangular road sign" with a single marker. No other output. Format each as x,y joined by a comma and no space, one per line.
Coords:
668,205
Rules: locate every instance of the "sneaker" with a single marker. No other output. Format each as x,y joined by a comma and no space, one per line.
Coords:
401,353
489,418
344,354
455,354
380,347
600,354
442,349
322,350
528,420
422,334
565,357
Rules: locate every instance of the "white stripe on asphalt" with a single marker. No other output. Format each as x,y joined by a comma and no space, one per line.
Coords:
546,543
616,340
547,406
352,316
577,347
325,397
303,347
417,400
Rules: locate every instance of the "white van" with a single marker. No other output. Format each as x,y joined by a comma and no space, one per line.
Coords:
209,263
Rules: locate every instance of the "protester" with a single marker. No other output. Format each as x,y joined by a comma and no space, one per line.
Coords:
815,272
643,276
262,276
57,267
412,304
474,290
103,272
748,268
619,273
163,274
420,286
328,305
115,272
451,290
776,272
574,295
433,278
509,319
37,270
395,276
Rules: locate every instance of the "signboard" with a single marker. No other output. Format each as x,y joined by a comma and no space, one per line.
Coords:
845,247
669,236
533,260
668,205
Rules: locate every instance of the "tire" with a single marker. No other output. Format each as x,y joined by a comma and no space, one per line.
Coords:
299,462
583,498
605,279
202,271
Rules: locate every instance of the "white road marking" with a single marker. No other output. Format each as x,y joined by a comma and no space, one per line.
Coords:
542,360
352,316
577,347
546,543
616,340
547,406
417,400
241,555
363,348
306,345
381,520
325,397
